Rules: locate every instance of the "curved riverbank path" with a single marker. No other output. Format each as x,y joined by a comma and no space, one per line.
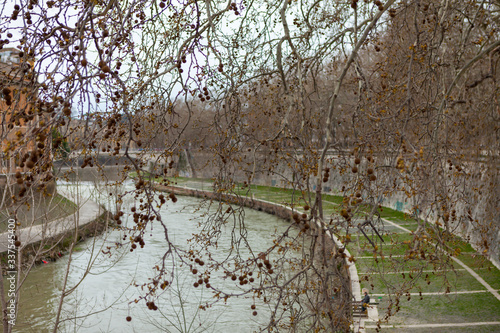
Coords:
87,212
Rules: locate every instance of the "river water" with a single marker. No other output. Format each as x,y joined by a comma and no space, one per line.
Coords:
104,298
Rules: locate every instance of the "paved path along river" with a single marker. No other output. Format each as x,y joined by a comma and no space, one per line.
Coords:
87,212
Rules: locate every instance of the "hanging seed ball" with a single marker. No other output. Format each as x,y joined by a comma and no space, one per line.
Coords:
106,69
369,171
254,313
84,63
252,307
354,169
129,318
358,195
233,277
306,207
17,243
304,216
195,271
196,284
373,178
357,160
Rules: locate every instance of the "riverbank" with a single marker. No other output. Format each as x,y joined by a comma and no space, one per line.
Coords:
101,299
392,267
49,240
291,215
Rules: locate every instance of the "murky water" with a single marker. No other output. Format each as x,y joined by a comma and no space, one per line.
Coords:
105,296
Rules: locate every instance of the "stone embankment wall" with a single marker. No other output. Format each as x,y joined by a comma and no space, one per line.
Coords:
474,198
51,249
349,271
268,207
92,174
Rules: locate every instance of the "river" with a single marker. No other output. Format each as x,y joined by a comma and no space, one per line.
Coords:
104,298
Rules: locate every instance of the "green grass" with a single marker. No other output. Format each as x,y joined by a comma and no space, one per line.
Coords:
44,209
461,308
491,275
398,264
455,281
450,329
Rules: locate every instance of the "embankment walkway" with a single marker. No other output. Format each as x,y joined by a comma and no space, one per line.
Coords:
88,211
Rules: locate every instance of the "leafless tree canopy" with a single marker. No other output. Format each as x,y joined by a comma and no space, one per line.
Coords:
381,99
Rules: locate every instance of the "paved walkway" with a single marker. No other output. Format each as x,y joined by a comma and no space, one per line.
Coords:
87,212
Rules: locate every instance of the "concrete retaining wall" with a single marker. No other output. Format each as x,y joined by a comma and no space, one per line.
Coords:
477,215
349,272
